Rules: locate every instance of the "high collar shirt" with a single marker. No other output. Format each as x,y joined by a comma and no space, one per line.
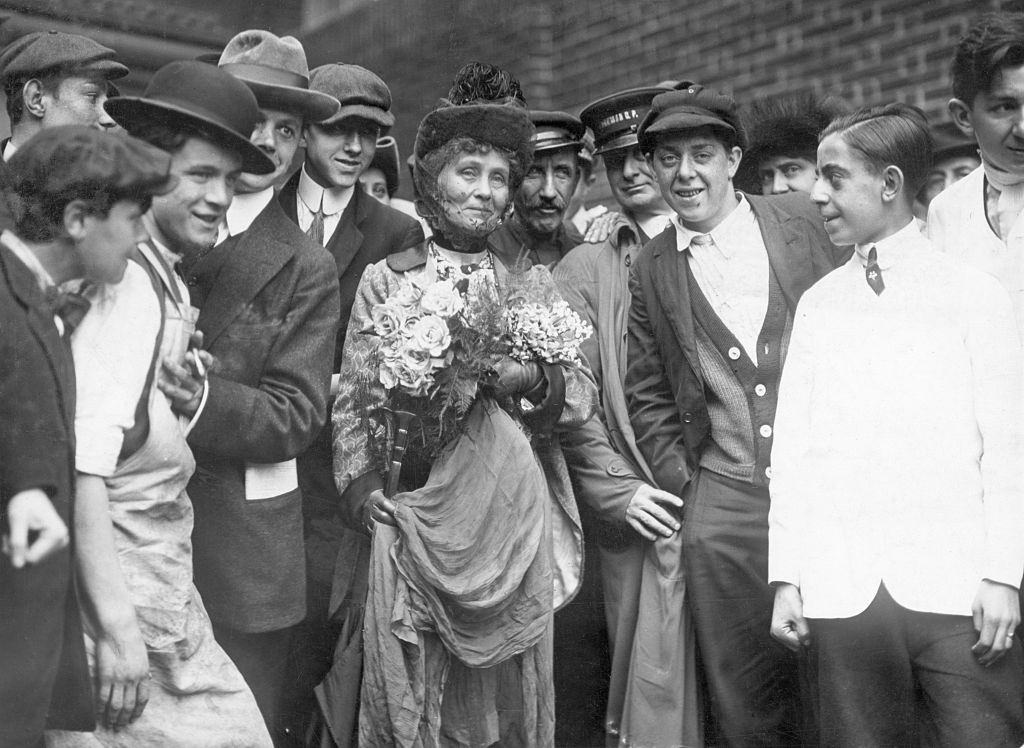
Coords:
310,197
958,225
898,437
243,211
732,273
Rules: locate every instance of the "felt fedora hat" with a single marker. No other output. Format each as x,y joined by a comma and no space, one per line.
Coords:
200,95
275,68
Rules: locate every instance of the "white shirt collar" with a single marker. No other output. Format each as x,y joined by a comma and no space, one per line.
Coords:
724,234
9,150
313,195
889,248
28,257
654,225
244,209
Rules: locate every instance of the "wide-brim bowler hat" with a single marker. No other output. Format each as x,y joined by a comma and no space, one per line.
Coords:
198,94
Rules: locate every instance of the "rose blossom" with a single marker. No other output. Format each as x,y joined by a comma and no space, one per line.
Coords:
408,294
442,299
431,334
387,318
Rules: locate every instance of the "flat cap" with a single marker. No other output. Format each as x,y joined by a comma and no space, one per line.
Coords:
44,51
615,119
687,109
556,130
75,158
361,93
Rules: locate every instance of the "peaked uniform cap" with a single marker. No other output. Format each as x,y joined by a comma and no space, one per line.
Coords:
360,92
45,51
615,119
198,94
688,109
556,130
275,68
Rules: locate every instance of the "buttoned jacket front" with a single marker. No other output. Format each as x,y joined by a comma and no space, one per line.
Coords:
268,302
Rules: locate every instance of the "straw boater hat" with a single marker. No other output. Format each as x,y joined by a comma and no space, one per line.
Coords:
275,68
196,94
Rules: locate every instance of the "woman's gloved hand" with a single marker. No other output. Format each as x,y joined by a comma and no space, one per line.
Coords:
515,378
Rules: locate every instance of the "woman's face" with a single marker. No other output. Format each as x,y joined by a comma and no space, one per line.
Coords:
474,190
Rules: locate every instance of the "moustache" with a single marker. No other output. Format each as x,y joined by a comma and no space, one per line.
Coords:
546,202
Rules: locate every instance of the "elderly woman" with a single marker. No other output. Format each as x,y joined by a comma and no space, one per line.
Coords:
471,560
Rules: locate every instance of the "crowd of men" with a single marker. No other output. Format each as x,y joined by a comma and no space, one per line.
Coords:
803,495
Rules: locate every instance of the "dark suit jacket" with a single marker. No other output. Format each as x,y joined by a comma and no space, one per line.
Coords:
368,232
663,380
268,301
42,657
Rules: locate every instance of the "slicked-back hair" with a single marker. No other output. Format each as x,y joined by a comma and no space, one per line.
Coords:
994,42
889,135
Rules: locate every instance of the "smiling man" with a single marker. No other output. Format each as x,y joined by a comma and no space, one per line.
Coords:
537,232
979,218
51,78
268,305
712,303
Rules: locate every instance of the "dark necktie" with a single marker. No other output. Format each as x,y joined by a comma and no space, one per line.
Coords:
316,229
873,273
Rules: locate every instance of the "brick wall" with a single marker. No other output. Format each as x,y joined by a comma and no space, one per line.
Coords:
569,52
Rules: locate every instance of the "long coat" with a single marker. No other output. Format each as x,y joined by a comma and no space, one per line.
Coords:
268,301
42,656
664,387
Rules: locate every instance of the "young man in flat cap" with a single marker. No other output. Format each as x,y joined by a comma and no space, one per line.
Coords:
783,133
325,200
712,303
637,540
99,186
538,233
268,301
52,78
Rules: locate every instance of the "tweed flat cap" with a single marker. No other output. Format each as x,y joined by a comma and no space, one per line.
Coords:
70,158
360,92
44,51
687,109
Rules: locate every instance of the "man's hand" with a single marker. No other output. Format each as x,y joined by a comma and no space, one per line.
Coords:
789,627
996,612
647,516
122,676
31,511
184,384
601,227
381,508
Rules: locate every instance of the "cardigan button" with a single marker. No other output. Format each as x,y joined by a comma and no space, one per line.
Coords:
766,431
734,353
760,390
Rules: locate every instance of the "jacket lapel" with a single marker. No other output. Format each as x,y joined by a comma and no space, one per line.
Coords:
256,257
25,289
347,240
789,250
673,293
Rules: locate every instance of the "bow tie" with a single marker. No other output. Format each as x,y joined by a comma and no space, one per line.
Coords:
70,306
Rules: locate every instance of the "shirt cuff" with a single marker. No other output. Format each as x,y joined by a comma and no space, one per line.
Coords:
199,411
1003,571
